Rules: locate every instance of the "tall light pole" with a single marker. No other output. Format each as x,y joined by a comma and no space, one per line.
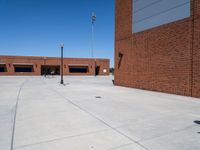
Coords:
93,17
61,66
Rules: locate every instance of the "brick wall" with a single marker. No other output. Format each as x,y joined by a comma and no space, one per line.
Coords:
53,61
164,58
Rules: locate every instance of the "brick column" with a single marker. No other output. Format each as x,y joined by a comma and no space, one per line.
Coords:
196,48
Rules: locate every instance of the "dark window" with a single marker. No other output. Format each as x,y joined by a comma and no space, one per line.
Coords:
81,69
23,68
2,68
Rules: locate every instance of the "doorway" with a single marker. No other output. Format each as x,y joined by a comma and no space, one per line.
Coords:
97,69
50,70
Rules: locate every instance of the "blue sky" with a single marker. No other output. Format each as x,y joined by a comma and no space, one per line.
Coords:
36,27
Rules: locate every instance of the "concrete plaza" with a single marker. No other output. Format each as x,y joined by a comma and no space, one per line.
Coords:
89,113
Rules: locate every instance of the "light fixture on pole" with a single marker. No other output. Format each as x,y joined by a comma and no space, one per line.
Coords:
93,17
61,66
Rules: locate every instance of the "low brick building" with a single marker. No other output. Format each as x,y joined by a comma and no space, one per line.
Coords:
26,65
164,58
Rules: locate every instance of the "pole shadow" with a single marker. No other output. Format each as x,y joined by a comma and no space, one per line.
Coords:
198,123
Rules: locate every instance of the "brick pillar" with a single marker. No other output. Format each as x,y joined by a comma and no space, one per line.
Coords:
196,47
123,19
123,33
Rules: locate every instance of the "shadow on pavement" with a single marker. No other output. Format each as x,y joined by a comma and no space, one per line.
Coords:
197,122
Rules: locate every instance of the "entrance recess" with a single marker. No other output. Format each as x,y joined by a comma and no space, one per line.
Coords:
97,69
50,70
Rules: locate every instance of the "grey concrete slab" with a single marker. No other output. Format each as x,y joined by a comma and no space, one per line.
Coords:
9,89
53,116
158,127
186,139
6,125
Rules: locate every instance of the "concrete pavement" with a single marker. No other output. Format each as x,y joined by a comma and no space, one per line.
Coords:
90,113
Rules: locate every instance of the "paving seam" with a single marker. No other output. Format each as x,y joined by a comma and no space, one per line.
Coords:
92,115
61,138
120,146
15,114
116,130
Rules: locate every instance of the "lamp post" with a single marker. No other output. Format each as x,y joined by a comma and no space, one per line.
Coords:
45,67
61,67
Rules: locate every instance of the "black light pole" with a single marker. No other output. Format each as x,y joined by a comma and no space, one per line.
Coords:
61,67
95,65
45,68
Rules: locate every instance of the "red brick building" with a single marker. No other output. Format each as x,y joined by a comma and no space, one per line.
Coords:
26,65
165,58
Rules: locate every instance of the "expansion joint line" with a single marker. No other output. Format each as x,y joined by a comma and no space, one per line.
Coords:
15,115
92,115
